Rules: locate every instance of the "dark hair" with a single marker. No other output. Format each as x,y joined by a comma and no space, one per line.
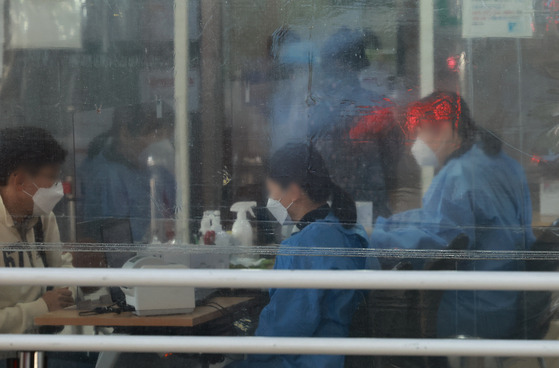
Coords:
489,141
301,164
138,120
464,125
27,147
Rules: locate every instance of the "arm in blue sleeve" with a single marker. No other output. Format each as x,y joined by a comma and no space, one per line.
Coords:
446,214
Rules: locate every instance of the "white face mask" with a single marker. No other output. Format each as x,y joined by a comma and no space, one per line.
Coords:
45,199
278,210
423,154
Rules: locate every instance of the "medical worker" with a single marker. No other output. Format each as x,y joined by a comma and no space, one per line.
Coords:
115,178
478,191
299,188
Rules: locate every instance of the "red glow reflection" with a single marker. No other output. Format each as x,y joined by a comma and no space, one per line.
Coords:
376,120
444,108
536,159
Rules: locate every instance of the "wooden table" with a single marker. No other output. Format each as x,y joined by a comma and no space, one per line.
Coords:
542,220
202,314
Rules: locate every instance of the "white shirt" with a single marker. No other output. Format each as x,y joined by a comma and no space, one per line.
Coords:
19,305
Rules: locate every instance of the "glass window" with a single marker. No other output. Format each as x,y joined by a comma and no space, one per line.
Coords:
338,135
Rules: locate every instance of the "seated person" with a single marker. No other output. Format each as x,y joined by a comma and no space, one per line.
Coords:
478,191
299,188
29,190
114,180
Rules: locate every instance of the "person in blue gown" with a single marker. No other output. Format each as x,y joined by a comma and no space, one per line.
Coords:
299,188
478,191
114,180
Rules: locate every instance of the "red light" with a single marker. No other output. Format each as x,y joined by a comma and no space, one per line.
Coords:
451,63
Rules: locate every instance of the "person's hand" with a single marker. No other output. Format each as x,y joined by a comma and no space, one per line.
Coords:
58,299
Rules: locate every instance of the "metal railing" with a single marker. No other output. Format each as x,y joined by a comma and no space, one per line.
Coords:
301,279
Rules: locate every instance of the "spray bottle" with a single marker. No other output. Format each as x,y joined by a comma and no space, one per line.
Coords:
205,225
221,237
242,231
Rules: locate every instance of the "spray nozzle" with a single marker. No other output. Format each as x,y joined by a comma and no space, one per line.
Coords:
241,208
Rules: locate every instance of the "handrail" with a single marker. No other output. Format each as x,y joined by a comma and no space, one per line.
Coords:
296,279
281,345
440,280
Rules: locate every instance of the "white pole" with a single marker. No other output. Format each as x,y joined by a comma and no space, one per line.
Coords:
426,47
182,169
300,279
281,345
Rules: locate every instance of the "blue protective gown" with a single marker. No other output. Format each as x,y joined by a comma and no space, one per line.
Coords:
312,312
487,199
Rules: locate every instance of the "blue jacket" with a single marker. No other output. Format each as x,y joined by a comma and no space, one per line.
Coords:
115,189
487,199
312,312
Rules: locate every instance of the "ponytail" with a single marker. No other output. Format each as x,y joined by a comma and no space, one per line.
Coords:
302,164
489,142
343,207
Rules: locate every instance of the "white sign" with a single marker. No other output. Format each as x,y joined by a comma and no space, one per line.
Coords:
45,24
549,198
497,18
